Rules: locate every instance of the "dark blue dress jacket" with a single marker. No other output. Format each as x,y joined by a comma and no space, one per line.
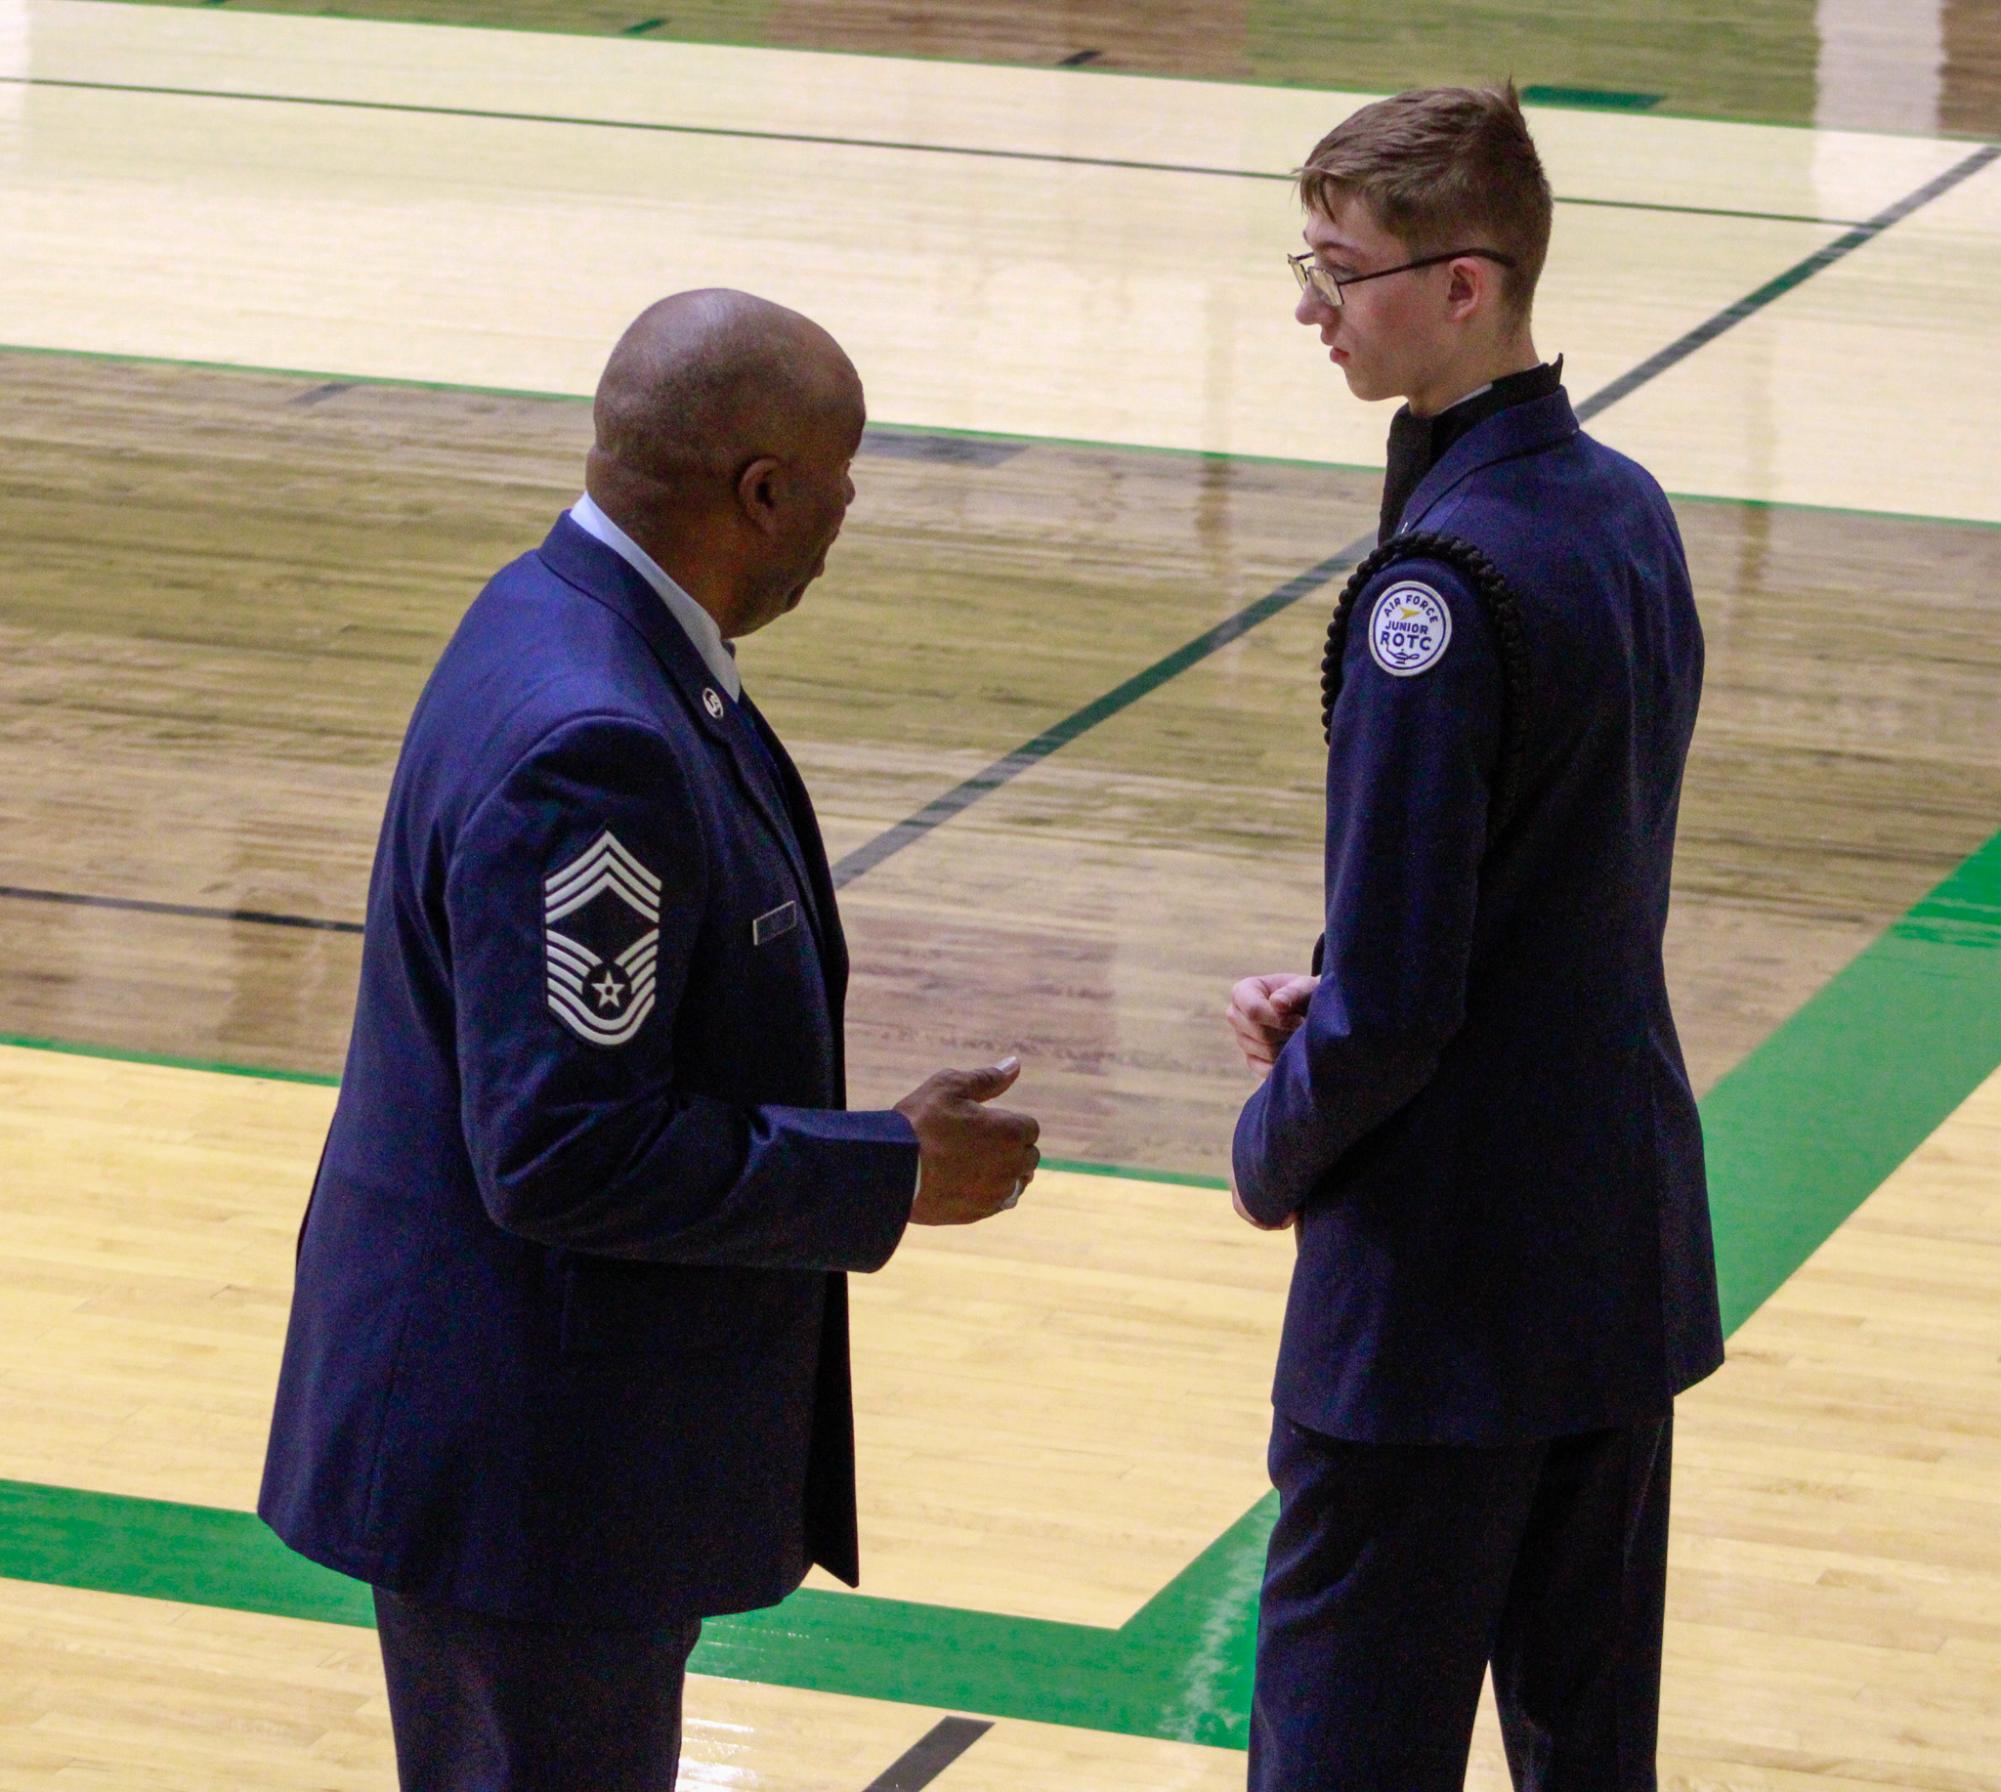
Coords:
1484,1124
569,1337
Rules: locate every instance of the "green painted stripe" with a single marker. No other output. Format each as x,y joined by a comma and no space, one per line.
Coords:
1799,1135
1126,1172
167,1061
156,1549
1590,99
164,1060
1811,1123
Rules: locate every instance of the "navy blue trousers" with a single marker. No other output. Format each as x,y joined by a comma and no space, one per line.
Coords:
484,1704
1396,1575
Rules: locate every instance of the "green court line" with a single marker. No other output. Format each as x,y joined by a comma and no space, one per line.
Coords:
1589,99
1358,95
319,1079
114,358
1799,1135
1807,1127
165,1061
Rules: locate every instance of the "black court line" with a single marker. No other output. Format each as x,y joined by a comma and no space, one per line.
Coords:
956,801
188,910
930,1755
830,142
1729,318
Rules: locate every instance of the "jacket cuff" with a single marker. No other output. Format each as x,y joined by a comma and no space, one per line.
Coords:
1249,1165
888,1176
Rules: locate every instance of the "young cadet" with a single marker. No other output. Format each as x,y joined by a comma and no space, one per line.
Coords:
1476,1115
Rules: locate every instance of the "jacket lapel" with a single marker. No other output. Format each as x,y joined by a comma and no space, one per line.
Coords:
819,881
1526,428
581,560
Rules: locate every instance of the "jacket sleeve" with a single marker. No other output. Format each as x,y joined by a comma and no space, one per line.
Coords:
582,1128
1410,766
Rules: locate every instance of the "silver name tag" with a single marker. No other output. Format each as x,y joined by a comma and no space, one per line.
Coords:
780,920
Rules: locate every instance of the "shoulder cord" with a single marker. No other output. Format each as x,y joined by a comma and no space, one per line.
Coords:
1503,610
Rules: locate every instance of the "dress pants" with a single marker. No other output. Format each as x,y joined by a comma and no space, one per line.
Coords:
484,1704
1397,1574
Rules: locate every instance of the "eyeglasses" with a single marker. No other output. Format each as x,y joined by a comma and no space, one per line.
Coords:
1309,273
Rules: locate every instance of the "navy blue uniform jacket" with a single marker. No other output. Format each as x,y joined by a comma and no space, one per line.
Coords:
569,1341
1484,1123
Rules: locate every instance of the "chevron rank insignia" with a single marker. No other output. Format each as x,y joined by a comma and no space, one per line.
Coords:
601,934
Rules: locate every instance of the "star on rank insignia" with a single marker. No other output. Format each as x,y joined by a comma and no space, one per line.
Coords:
600,963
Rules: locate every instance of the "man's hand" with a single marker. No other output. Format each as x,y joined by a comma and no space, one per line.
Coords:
976,1159
1265,1012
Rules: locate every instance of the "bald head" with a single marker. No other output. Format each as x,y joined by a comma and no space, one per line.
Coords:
725,429
703,382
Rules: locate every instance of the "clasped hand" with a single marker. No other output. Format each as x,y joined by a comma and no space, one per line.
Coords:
1265,1012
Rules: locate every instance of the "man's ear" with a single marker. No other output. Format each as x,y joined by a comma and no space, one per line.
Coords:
759,488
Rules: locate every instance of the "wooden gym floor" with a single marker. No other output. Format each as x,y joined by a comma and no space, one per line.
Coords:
1057,700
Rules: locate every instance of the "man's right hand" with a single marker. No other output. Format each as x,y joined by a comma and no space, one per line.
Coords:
1265,1012
976,1159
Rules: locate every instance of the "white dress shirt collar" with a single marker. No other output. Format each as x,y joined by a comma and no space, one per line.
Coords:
699,624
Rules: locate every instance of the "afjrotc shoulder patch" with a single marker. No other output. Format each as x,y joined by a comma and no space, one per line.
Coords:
1409,629
600,962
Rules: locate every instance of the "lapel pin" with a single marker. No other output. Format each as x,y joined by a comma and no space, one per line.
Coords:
712,703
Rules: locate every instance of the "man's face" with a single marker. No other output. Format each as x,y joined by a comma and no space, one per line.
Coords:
1387,335
817,490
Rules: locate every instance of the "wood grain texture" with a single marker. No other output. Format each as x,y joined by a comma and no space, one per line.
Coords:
1115,1338
1834,1575
999,248
1756,61
227,590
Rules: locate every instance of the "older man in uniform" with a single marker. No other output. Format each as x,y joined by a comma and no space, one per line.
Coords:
568,1360
1476,1114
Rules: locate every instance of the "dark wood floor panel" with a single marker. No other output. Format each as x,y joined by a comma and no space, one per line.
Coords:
225,591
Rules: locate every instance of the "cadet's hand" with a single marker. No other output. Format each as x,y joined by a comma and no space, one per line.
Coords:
1251,1219
1265,1012
976,1159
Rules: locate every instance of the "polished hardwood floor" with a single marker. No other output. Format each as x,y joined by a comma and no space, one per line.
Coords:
228,589
1927,67
223,589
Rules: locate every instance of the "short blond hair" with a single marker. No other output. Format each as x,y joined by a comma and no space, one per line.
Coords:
1442,168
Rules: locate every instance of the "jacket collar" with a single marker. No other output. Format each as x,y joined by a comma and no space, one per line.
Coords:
580,560
1530,427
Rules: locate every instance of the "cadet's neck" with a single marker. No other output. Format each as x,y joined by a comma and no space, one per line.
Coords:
1448,385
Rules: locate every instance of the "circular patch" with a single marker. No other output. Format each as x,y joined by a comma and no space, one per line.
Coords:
713,704
1409,629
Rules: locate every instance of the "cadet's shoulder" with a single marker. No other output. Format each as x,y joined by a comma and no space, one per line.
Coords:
1409,614
1421,601
1615,471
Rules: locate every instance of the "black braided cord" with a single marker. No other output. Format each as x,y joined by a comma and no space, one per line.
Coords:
1503,609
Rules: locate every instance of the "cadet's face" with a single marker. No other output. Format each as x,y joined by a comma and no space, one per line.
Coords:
1386,333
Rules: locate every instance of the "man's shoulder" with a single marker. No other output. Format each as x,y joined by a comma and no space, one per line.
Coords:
534,665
